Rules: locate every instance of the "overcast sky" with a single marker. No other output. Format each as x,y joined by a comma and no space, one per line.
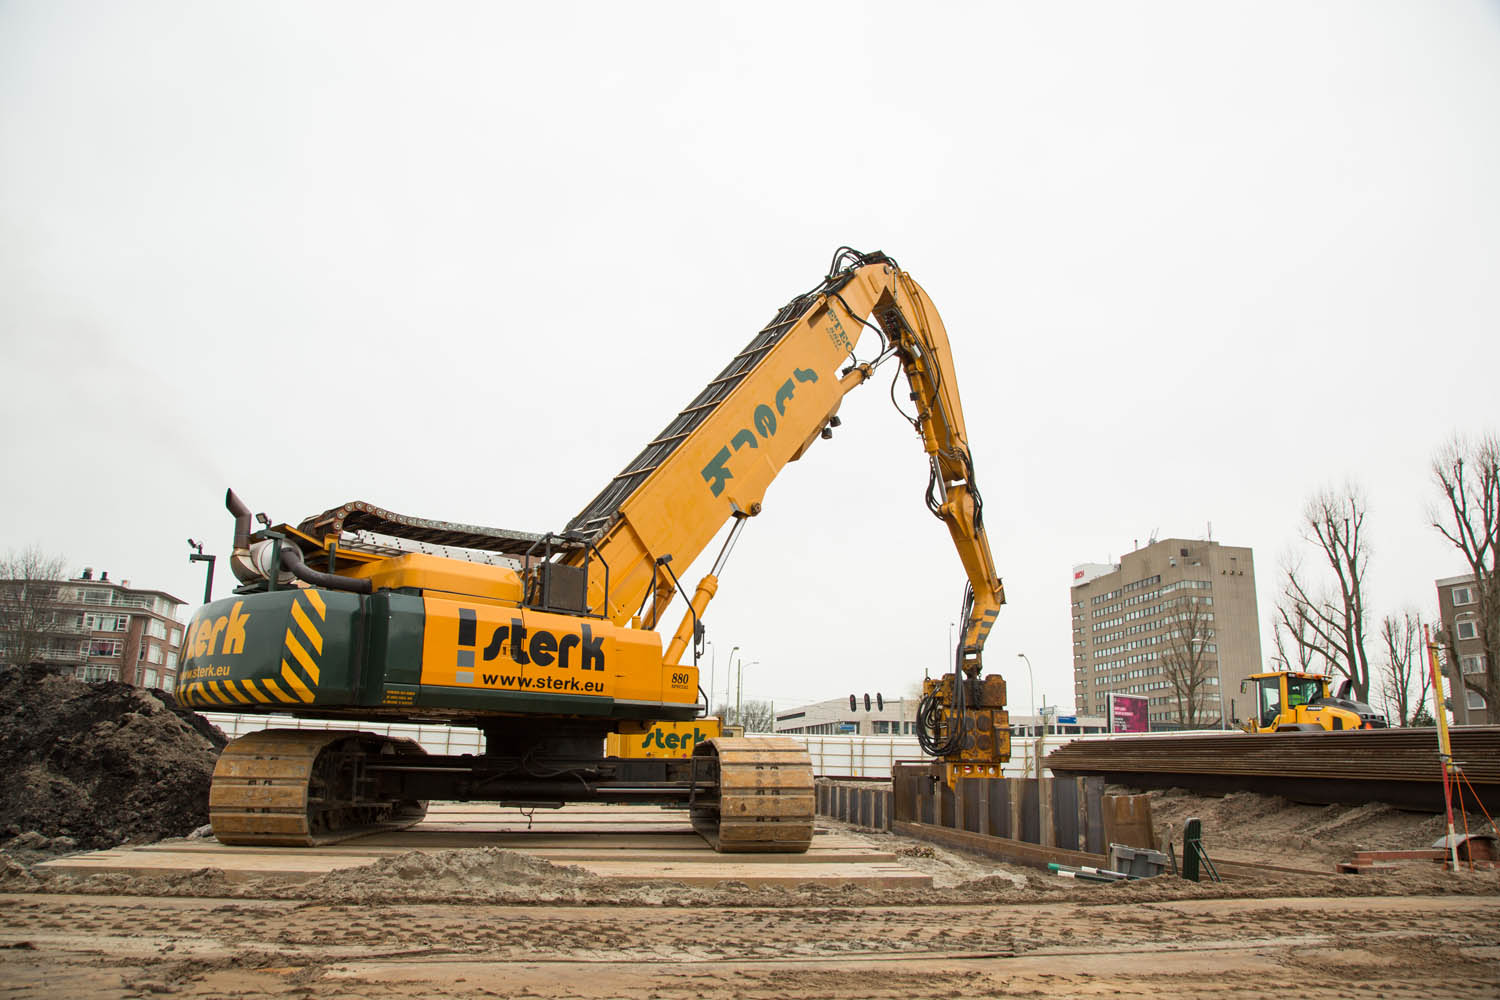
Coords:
462,260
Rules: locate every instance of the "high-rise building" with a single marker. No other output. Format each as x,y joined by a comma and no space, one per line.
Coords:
1458,605
102,630
1174,600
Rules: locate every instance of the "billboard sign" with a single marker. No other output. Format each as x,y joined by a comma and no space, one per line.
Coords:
1128,714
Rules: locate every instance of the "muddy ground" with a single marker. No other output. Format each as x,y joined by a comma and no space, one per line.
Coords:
1399,946
496,923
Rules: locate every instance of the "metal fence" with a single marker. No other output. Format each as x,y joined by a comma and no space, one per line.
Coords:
832,756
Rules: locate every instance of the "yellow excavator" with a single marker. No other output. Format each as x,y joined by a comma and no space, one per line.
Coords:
551,643
1292,701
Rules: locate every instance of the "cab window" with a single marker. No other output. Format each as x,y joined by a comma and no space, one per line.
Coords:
1270,700
1302,690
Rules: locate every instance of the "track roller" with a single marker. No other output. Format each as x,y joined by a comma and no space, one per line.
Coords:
303,788
765,798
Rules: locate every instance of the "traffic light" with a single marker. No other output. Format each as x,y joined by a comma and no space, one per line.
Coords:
879,701
867,702
853,705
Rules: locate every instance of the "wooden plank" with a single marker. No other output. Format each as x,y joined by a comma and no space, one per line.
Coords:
606,843
304,865
1001,848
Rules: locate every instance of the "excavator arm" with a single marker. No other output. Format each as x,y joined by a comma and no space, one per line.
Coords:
714,461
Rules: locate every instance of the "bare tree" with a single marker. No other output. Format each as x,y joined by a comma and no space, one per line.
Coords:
30,614
1335,615
1467,474
1189,659
1405,668
755,716
1296,646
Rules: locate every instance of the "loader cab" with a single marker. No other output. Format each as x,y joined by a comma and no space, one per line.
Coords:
1269,698
1282,700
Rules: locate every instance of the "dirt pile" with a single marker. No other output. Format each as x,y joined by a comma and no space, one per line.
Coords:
95,765
1243,826
457,874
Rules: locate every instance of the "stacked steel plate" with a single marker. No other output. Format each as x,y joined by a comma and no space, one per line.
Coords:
1399,766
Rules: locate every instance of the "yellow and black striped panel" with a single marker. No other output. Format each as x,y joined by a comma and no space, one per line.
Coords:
304,645
297,682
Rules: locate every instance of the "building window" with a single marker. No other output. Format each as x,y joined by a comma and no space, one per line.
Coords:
104,647
1473,664
98,672
150,678
171,661
1465,630
1462,596
1475,700
92,622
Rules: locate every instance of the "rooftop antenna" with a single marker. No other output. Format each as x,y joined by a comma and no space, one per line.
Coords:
1210,531
1152,541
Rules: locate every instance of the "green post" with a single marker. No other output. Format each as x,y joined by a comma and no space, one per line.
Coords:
1192,839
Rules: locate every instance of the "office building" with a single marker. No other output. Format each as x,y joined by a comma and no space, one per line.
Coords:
1127,616
885,717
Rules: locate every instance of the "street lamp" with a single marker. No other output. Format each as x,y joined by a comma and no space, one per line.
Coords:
1031,683
728,672
198,556
713,658
739,715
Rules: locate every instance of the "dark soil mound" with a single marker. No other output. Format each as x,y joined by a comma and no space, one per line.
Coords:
100,763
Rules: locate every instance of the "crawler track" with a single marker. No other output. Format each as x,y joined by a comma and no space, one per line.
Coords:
304,788
765,801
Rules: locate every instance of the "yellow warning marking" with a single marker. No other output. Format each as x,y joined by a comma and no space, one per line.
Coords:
234,690
217,693
313,635
308,664
254,691
316,600
295,682
276,691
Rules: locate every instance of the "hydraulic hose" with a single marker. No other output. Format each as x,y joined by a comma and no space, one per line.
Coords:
291,559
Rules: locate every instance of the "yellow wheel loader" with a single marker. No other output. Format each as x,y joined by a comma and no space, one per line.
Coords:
1290,701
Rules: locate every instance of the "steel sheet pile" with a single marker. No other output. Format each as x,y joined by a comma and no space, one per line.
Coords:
1400,766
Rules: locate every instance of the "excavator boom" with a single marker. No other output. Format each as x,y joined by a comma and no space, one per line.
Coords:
715,460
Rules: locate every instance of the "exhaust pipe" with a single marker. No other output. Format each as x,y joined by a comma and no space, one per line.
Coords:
239,559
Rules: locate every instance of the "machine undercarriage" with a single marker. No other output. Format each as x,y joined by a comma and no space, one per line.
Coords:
305,788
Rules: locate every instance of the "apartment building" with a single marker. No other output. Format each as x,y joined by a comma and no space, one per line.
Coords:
1127,615
104,630
1458,605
